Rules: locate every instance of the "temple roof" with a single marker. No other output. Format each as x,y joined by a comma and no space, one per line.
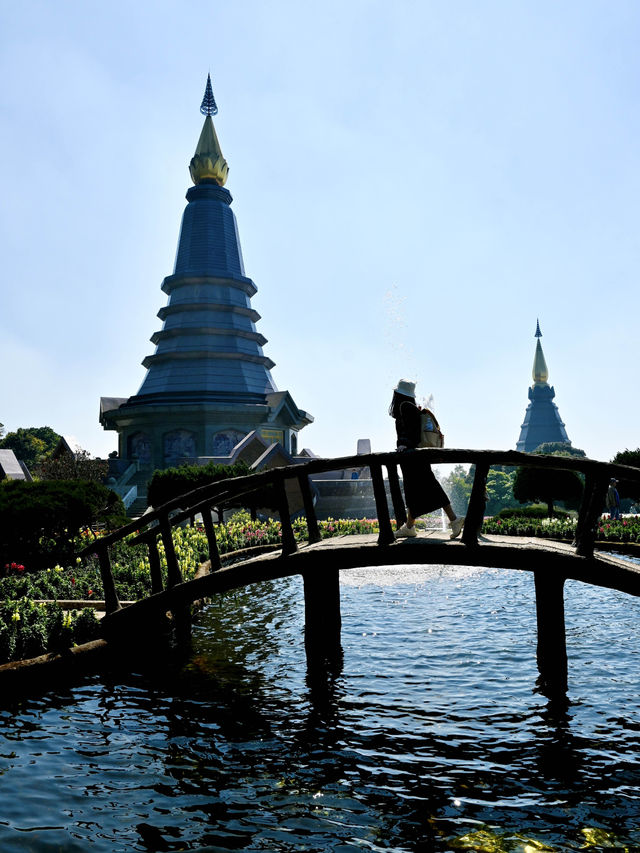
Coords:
542,422
208,344
208,367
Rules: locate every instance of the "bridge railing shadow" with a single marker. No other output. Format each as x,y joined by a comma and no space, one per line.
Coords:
159,523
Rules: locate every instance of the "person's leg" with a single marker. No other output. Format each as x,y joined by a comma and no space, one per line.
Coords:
455,523
408,528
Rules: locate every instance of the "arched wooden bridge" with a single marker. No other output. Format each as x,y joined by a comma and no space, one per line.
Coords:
319,562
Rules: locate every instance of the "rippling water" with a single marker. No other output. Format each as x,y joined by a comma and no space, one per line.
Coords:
431,737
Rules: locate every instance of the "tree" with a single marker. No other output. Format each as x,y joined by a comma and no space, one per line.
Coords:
31,444
458,488
499,489
559,448
627,457
547,485
627,489
41,520
74,466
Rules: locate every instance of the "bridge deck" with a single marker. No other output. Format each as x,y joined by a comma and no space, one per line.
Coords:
356,551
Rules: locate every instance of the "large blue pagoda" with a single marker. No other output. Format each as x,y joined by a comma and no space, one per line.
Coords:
208,385
542,422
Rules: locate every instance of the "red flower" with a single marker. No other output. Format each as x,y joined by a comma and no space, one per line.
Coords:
90,592
73,580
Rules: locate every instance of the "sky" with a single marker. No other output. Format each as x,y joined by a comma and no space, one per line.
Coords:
415,184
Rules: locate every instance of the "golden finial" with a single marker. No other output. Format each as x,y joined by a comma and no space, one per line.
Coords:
540,371
208,164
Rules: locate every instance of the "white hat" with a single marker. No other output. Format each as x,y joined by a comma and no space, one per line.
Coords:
406,387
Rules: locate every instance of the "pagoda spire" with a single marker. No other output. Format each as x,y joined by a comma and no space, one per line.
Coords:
540,370
542,423
208,164
208,107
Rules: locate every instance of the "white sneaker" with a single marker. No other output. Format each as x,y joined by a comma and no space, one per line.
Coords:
405,531
456,526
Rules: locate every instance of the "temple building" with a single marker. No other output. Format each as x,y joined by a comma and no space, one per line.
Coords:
208,386
542,422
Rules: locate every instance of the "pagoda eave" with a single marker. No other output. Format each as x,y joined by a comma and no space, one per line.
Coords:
171,283
168,334
198,355
200,305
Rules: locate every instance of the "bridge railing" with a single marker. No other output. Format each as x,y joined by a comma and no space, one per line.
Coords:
160,522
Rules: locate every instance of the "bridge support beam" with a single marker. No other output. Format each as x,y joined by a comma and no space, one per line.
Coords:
322,618
552,643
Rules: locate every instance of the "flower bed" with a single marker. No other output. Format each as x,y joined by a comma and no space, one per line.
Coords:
625,530
30,626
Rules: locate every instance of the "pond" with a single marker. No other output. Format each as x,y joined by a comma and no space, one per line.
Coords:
432,735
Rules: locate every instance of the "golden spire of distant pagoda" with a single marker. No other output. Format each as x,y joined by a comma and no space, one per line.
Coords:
540,371
208,164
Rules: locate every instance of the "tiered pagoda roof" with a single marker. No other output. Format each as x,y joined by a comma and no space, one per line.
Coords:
542,422
208,345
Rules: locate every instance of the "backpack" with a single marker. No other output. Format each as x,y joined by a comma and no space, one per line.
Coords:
430,435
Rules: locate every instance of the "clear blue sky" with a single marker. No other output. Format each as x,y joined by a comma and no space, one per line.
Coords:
415,183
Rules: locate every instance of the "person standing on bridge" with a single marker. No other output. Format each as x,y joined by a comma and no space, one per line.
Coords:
423,493
613,500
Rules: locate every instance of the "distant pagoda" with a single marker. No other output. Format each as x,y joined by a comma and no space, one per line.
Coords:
208,384
542,422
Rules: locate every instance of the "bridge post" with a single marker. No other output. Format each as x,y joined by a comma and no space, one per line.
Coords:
595,490
174,575
111,601
309,509
214,554
385,536
154,565
552,644
477,504
396,495
322,618
289,544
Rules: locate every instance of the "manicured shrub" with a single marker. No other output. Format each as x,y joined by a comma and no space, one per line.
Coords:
174,482
531,511
38,521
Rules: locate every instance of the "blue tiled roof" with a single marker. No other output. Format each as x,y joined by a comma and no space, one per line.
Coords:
209,242
542,422
208,344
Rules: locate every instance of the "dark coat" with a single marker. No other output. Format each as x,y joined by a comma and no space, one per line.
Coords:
422,492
